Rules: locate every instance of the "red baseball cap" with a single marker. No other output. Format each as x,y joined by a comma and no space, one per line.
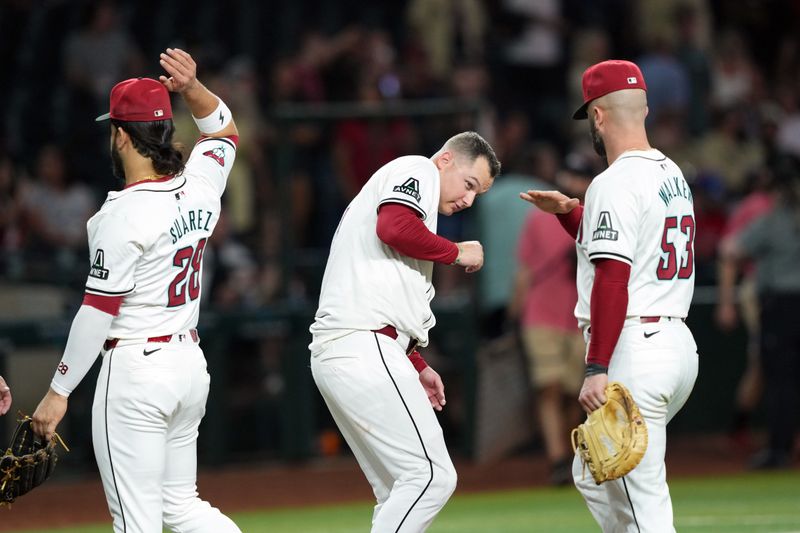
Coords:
607,77
138,100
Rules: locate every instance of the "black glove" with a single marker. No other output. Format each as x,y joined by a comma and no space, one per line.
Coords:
27,463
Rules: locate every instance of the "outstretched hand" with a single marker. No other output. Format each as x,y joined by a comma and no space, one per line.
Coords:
181,68
553,202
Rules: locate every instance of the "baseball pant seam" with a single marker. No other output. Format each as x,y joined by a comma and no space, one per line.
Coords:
630,502
419,436
108,444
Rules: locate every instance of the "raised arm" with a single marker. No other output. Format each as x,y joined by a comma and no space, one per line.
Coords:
212,116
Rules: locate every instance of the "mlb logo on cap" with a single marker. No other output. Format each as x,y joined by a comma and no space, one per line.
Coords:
138,100
607,77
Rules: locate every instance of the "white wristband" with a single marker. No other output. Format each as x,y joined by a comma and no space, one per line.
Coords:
216,121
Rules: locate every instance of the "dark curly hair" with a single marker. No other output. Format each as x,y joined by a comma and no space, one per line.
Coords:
154,141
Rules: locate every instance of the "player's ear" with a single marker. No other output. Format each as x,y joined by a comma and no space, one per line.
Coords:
444,158
121,138
597,115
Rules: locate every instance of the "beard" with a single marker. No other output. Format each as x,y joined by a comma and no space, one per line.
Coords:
116,165
597,140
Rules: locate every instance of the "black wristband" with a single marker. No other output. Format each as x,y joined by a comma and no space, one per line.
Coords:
593,369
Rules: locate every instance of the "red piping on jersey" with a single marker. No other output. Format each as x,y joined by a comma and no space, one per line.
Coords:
159,180
572,221
233,138
400,227
608,307
106,304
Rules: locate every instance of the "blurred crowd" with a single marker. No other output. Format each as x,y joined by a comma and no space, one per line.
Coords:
724,100
723,103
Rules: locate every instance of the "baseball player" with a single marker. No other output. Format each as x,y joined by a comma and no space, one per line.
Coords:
141,305
5,397
635,242
374,311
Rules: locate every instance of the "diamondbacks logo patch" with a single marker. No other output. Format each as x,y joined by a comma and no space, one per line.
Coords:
410,187
217,154
605,230
97,270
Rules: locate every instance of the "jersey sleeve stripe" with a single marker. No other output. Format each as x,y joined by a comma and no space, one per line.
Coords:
610,255
233,140
106,304
90,290
412,205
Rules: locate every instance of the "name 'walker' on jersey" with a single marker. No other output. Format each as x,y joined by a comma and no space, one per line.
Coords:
640,211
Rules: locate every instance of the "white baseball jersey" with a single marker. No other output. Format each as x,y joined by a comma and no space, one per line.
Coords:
146,243
639,211
367,284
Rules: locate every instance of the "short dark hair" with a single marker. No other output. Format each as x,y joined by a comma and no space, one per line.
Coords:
154,141
474,146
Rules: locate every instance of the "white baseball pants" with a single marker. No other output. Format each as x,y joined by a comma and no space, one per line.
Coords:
376,399
660,371
148,404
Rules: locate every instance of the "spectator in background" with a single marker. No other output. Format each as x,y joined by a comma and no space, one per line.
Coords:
10,230
668,88
363,145
500,219
692,53
748,392
230,270
772,242
788,134
734,77
237,86
710,216
101,53
55,209
589,46
543,301
536,52
449,32
729,152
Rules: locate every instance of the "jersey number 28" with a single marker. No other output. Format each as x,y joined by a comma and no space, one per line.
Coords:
189,256
668,267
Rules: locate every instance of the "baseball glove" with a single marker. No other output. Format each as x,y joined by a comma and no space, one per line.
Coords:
613,439
27,463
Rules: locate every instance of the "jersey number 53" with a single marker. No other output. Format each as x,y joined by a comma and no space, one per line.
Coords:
673,263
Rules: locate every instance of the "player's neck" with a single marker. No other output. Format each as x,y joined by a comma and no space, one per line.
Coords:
629,144
140,170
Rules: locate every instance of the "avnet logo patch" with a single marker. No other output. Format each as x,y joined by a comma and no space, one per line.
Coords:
410,187
605,229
